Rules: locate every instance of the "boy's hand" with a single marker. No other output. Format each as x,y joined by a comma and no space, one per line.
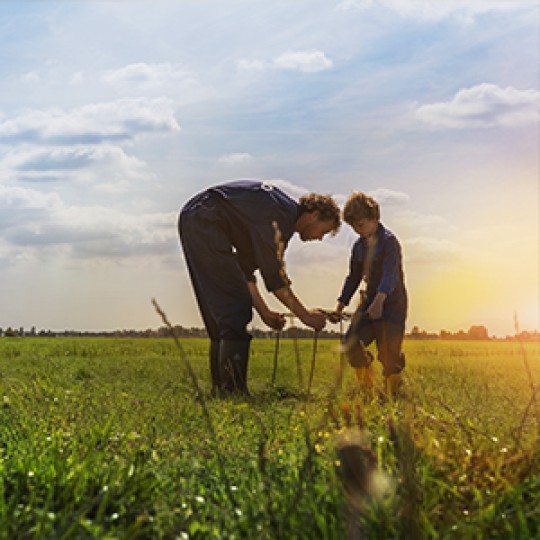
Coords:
337,314
375,310
334,317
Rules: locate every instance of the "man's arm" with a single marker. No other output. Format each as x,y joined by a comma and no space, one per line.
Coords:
314,318
270,318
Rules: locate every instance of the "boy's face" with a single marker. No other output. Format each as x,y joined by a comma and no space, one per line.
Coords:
366,228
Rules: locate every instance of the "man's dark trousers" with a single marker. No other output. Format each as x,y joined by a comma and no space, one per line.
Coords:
220,287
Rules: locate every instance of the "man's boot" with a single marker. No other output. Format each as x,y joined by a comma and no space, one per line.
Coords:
233,364
214,368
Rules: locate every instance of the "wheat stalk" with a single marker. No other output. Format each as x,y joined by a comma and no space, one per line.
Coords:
202,401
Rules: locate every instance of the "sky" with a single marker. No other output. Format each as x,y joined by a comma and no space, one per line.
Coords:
114,113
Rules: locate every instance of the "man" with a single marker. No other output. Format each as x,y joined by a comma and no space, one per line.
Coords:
227,232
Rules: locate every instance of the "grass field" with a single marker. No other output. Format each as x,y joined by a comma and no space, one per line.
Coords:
108,438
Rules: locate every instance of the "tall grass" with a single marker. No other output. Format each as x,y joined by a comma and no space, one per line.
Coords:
107,438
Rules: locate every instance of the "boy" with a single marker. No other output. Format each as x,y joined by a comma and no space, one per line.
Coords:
376,264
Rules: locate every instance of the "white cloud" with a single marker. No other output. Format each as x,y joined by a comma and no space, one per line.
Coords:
289,188
355,4
484,106
113,188
387,196
235,158
77,78
21,207
304,61
54,157
463,10
15,198
31,77
253,65
91,124
37,221
149,75
327,259
78,163
296,191
181,86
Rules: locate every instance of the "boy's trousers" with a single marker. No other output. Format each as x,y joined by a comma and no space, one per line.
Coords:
388,336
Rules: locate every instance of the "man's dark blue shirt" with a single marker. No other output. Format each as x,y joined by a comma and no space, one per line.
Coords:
248,210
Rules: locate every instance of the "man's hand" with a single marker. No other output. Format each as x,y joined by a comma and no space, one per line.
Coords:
274,320
271,318
315,319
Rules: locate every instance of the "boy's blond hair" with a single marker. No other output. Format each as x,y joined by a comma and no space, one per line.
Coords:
360,206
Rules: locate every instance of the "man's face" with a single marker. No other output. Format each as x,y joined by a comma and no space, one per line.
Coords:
315,229
366,228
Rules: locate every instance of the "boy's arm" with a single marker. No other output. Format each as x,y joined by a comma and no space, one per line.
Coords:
351,283
391,265
353,279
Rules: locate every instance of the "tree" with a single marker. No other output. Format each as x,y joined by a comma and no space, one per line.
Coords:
478,332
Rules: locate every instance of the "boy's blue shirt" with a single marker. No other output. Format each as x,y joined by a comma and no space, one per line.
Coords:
384,275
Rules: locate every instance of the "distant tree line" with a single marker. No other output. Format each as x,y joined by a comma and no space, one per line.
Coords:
161,332
147,333
477,332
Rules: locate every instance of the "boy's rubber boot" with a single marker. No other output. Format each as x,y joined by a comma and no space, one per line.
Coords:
366,377
233,364
393,385
215,375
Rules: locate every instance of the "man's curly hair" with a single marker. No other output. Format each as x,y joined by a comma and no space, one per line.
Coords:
325,205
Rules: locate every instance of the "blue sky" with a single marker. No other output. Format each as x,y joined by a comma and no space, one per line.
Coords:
114,113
